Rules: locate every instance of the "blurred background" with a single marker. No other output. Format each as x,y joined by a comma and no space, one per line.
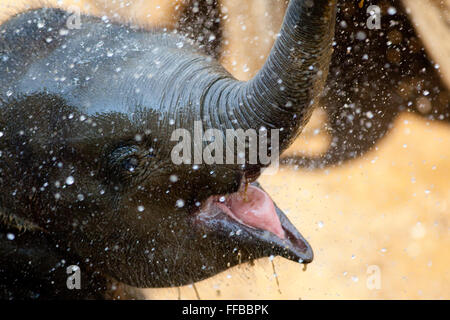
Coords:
368,181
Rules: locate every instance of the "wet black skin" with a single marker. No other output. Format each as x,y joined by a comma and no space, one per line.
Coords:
86,175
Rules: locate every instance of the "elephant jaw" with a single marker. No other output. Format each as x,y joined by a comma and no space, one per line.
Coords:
251,215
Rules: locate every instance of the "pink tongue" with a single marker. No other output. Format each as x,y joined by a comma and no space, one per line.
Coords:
257,210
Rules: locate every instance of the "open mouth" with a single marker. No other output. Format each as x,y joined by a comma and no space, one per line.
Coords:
253,208
252,214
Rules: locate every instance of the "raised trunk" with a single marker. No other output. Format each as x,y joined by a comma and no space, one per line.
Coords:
283,93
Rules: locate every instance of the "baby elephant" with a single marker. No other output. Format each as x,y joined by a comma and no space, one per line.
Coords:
87,168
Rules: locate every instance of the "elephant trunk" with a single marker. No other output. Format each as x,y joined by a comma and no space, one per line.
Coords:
283,93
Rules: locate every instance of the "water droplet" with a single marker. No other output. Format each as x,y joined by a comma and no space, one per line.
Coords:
361,35
70,180
180,203
392,11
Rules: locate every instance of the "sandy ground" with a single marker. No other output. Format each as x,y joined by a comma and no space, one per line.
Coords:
381,217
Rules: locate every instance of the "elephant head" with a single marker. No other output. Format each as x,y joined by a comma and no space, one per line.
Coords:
87,141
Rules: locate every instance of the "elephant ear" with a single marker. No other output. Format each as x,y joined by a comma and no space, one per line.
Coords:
200,20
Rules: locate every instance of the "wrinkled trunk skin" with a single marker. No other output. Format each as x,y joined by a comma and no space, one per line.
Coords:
282,95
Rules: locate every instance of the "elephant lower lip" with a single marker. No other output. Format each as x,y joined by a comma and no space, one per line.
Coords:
279,238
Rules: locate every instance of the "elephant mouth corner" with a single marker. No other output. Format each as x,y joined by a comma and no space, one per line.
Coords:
251,215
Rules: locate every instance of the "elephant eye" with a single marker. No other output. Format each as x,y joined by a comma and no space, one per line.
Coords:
126,158
130,164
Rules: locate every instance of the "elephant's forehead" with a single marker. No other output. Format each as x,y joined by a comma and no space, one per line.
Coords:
100,74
